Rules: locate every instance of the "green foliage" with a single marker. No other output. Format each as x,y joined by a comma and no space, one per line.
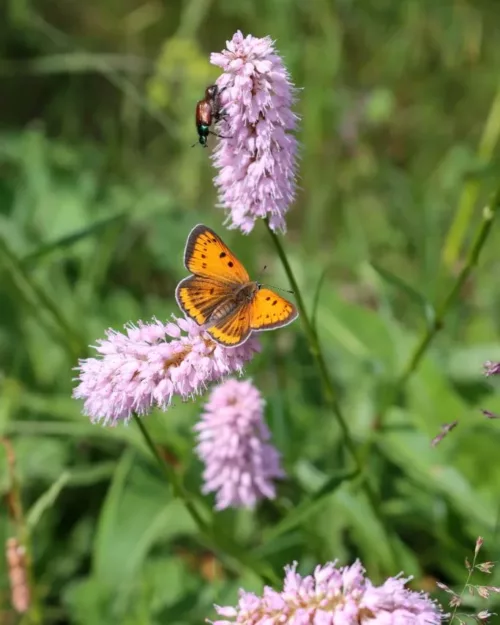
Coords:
400,122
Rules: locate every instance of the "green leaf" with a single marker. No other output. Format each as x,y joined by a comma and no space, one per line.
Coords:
376,542
38,301
317,294
307,507
137,512
412,453
70,239
46,501
427,308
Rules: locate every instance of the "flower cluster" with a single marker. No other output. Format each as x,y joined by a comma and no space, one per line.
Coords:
258,157
240,464
150,364
334,596
491,368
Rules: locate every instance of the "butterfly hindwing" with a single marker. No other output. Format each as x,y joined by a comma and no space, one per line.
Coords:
233,329
198,297
268,310
206,255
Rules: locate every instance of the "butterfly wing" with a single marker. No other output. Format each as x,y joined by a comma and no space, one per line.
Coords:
206,255
268,311
198,297
234,329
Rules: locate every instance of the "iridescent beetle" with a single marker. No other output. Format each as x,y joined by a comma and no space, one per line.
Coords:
209,111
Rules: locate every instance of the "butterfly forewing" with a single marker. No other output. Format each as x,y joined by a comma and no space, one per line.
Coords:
268,310
206,255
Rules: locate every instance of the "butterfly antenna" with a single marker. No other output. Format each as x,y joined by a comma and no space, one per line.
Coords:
273,287
261,273
278,288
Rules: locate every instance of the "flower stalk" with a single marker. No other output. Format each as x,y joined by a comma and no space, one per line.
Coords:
315,349
482,234
235,556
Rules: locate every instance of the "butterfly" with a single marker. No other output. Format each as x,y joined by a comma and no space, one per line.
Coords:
220,295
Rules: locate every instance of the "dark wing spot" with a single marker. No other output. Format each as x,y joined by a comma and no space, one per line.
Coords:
267,299
203,256
275,302
212,291
214,240
267,316
230,263
204,265
222,255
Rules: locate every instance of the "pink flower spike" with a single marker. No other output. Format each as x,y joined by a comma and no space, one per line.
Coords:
257,157
151,364
334,596
233,443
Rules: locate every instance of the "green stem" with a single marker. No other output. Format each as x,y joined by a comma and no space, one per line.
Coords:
172,478
421,347
470,571
314,346
329,391
222,544
458,230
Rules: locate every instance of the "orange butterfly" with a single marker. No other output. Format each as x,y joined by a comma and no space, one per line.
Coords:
220,295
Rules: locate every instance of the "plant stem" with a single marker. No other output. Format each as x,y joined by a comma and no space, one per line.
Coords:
330,395
480,239
487,145
315,349
223,544
470,571
172,478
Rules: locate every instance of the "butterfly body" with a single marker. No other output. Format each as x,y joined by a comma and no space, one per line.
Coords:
220,296
242,295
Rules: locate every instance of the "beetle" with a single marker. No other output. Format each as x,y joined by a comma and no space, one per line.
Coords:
209,111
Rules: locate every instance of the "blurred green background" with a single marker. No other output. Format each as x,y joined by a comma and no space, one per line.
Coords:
99,187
